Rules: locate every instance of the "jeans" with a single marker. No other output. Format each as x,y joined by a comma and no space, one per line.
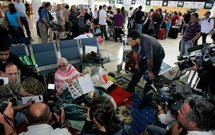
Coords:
156,130
204,37
184,45
20,116
26,25
104,31
138,27
138,74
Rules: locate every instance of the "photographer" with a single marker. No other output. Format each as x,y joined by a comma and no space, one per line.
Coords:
6,119
197,116
39,116
13,89
206,74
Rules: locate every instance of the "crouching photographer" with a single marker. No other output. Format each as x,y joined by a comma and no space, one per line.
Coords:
195,116
38,118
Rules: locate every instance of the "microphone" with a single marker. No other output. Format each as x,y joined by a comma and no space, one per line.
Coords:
195,48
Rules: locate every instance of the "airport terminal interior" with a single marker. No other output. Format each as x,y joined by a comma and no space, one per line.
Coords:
107,67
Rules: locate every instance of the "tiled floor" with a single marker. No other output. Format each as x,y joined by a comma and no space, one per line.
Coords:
116,49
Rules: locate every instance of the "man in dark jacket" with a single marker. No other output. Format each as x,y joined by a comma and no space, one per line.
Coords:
7,57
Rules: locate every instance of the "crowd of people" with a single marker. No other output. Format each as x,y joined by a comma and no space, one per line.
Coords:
195,116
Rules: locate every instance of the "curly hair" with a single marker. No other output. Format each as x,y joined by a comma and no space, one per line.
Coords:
102,110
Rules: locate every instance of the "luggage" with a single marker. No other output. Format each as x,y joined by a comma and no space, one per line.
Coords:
173,33
162,33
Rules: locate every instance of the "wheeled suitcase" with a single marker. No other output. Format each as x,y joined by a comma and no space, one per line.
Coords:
161,33
173,33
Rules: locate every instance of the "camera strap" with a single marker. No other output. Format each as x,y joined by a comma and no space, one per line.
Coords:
8,120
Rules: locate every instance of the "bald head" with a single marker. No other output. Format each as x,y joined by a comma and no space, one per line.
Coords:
38,113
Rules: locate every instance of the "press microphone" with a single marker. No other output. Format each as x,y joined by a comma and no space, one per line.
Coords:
195,48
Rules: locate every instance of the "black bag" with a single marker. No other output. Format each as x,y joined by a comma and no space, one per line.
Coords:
173,33
93,58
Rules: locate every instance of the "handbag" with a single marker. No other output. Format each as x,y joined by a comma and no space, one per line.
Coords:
5,22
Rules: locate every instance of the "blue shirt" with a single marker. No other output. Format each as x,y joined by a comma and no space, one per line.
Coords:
12,19
44,13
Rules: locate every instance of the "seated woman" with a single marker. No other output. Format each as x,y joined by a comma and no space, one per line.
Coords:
66,73
101,118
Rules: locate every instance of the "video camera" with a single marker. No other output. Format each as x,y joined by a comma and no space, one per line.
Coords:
168,98
204,56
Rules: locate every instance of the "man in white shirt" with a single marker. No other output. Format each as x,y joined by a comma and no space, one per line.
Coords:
207,25
39,116
21,9
87,33
102,15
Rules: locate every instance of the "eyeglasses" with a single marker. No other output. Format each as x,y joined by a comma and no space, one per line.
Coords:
62,66
192,104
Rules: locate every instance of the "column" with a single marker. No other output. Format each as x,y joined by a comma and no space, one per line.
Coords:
35,5
91,3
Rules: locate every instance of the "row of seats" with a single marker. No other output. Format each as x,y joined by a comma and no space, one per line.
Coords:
46,55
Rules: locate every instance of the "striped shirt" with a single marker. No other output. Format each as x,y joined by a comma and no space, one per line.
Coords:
60,77
191,31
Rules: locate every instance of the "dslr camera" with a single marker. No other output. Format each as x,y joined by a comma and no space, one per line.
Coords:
4,101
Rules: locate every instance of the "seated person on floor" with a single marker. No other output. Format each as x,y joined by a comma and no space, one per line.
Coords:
166,118
66,73
7,57
87,33
38,117
100,118
13,89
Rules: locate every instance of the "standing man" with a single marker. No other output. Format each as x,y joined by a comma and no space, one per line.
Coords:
191,35
102,16
21,9
138,19
207,25
158,20
44,22
148,55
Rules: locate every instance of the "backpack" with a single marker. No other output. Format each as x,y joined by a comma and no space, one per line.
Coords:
33,86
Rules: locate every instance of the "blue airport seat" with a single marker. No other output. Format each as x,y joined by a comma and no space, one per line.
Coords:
21,50
18,41
92,42
89,42
45,57
70,50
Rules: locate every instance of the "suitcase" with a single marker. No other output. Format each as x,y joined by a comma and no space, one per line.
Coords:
173,33
161,33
